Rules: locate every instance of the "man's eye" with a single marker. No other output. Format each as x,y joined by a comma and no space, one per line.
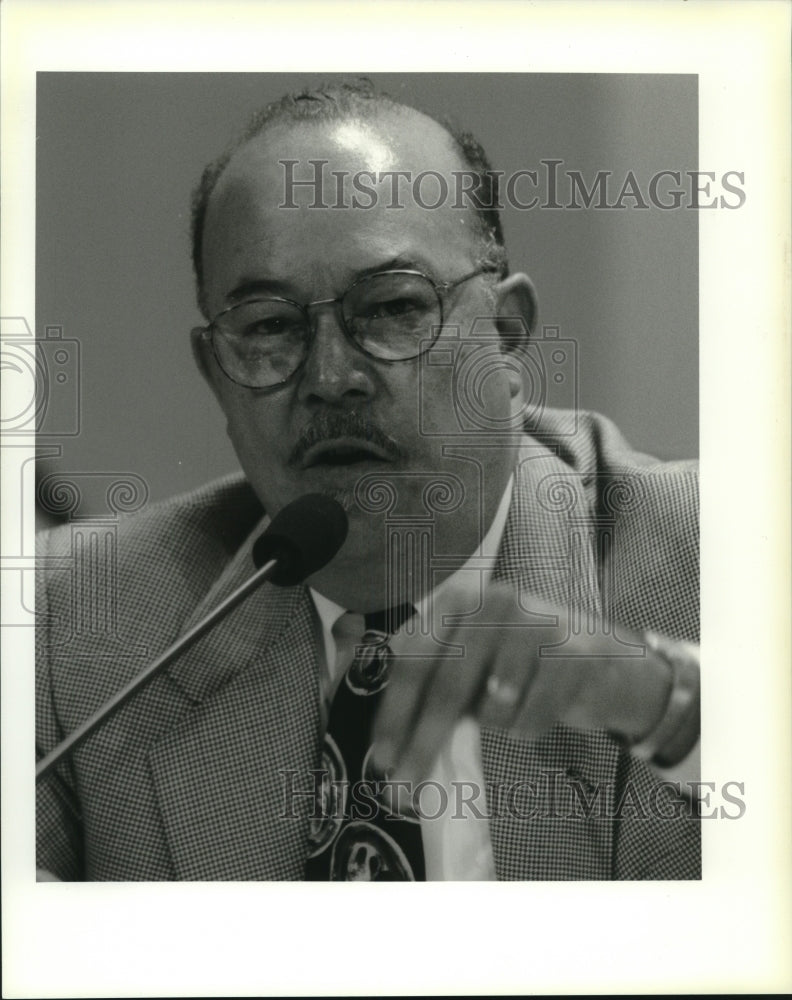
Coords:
391,309
271,326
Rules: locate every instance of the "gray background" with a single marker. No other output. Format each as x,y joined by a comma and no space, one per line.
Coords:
118,155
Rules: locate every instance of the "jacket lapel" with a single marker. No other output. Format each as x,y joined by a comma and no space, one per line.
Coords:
228,777
545,550
540,790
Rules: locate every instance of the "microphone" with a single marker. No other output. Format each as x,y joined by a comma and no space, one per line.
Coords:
302,538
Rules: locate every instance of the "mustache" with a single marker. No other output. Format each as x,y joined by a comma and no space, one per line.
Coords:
328,426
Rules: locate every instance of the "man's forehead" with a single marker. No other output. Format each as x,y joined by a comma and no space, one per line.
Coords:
260,222
394,140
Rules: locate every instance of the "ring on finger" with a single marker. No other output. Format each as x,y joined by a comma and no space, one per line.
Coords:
504,693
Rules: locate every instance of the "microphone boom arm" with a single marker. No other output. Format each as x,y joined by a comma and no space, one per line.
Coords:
182,643
302,538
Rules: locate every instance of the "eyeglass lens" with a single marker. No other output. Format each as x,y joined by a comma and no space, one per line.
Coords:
389,316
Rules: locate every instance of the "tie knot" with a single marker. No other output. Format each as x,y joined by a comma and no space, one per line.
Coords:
389,620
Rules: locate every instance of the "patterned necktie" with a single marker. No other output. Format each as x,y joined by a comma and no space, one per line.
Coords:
355,834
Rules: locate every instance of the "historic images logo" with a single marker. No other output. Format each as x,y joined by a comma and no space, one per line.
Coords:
551,186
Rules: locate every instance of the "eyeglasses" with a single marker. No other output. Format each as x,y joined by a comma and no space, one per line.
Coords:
390,316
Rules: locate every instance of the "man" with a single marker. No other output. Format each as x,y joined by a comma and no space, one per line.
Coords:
371,350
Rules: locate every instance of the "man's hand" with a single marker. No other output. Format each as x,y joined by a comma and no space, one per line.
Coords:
518,670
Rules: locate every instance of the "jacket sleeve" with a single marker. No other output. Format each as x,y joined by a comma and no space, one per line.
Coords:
59,839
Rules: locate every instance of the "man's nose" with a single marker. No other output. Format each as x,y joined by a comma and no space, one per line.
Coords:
335,370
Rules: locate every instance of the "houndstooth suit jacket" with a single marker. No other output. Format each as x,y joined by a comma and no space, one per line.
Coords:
188,780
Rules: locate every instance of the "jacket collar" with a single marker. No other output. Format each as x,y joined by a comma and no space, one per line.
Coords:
252,626
548,532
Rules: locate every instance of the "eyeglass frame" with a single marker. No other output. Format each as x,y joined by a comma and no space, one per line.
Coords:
441,289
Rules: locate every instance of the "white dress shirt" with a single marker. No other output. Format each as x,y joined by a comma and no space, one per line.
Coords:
456,838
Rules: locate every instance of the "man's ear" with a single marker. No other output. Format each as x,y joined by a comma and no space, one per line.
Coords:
518,310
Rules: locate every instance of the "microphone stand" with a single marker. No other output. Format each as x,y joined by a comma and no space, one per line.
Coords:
170,654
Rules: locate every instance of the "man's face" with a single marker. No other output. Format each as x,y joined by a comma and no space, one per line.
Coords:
345,415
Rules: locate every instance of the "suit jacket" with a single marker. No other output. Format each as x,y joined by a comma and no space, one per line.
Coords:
198,776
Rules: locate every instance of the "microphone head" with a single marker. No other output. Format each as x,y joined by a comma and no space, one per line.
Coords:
303,536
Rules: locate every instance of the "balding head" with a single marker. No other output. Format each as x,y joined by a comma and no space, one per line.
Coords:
354,109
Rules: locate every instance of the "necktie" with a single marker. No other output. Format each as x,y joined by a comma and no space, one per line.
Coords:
355,834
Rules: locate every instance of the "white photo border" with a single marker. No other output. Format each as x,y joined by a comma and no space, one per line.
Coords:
730,931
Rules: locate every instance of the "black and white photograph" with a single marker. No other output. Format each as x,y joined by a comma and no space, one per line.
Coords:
437,437
354,424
